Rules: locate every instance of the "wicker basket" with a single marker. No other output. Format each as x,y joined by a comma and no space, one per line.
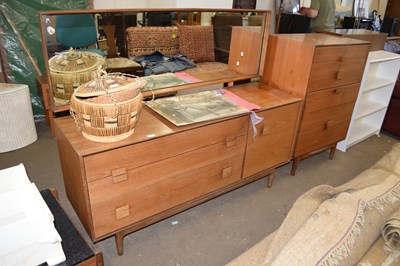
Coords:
68,70
107,108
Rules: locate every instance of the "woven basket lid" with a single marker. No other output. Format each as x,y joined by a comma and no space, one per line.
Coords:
106,83
74,61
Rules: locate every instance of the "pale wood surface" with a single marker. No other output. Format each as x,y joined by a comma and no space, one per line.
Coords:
120,187
326,71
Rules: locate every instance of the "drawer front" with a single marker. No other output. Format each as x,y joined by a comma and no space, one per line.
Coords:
98,166
337,65
333,74
340,53
273,144
320,100
151,189
326,117
320,137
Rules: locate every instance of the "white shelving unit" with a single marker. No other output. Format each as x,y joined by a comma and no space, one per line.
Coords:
377,85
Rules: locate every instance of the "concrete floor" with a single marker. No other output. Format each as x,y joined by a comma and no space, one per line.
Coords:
216,231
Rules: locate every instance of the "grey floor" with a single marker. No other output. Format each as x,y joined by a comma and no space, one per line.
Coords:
214,232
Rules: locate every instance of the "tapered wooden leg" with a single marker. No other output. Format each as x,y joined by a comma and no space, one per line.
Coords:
294,165
119,241
271,179
332,153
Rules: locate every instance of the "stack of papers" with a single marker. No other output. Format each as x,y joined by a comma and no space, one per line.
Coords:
27,232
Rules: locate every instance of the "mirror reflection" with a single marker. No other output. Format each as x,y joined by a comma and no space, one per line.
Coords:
169,49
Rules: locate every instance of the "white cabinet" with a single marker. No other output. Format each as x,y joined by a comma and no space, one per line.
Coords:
377,85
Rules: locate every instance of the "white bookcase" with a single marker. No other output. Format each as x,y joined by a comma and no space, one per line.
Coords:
377,85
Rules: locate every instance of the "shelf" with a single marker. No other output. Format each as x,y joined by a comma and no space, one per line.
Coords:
381,56
360,132
369,108
374,83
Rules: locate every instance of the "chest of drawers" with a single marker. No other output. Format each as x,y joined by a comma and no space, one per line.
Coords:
326,72
117,188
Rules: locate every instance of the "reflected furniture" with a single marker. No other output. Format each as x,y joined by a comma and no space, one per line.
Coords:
326,72
124,18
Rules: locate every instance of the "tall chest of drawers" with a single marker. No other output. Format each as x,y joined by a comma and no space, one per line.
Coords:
326,72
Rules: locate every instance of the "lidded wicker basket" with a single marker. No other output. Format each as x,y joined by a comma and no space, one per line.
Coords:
69,70
107,108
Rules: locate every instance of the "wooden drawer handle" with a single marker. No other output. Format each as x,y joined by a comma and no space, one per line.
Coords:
329,124
122,212
339,74
266,130
342,58
230,141
227,172
119,175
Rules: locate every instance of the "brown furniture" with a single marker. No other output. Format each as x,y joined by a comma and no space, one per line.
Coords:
393,11
391,123
377,39
162,169
324,70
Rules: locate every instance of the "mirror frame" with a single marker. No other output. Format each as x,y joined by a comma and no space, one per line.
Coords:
265,29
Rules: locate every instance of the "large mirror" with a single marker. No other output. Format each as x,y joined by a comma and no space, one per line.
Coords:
172,49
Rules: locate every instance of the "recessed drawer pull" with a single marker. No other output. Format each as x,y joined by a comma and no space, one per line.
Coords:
122,212
339,74
266,130
119,175
230,141
329,124
342,58
227,172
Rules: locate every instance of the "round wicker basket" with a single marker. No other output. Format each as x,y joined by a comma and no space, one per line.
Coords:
68,70
107,108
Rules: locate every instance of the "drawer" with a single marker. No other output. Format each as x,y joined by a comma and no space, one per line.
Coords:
340,53
331,97
326,117
333,74
320,137
102,165
273,144
152,190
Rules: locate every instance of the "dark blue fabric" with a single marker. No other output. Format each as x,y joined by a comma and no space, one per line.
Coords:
157,63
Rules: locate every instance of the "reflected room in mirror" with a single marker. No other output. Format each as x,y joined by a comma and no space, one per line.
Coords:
180,48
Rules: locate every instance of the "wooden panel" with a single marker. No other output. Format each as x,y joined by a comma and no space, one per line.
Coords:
282,71
155,190
332,74
273,144
336,54
98,165
319,137
74,180
321,118
332,97
242,55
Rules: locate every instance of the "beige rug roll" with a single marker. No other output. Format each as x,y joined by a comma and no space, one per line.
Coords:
391,231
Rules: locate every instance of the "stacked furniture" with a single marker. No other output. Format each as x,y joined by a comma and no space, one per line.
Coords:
324,70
